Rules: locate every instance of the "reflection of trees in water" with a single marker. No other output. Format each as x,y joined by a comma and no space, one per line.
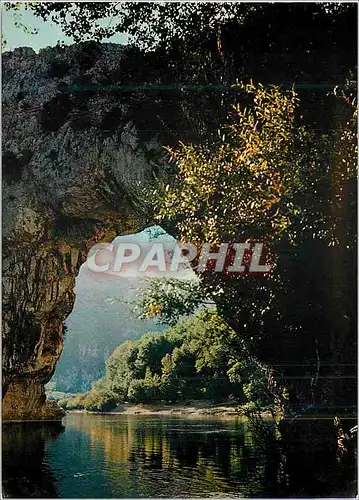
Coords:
194,456
25,472
220,451
312,464
303,460
169,456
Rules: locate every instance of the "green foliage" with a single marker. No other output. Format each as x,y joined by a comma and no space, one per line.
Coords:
151,350
73,403
99,398
293,188
146,390
17,9
198,358
152,24
242,186
169,299
121,368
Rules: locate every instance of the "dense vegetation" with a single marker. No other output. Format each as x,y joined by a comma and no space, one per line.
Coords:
273,180
198,358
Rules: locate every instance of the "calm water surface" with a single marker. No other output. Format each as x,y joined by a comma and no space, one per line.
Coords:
104,456
122,456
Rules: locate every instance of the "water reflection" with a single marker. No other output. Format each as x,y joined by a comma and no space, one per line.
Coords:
171,456
25,472
121,456
313,465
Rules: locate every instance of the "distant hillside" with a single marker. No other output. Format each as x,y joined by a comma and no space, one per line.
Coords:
98,324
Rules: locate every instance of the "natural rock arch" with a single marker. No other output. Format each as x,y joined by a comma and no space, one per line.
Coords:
63,191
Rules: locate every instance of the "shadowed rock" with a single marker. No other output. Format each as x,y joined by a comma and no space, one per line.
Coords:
65,188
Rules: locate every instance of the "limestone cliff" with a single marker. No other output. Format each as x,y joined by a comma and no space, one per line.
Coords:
72,158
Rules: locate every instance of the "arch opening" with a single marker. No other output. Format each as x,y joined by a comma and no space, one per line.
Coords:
106,314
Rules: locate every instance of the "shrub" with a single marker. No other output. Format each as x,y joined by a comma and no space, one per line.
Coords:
63,403
147,390
73,403
102,400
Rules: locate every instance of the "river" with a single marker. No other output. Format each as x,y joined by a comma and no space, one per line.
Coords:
134,456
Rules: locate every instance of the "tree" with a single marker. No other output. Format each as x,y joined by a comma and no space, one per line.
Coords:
198,358
16,8
121,368
242,185
169,299
272,180
299,320
152,348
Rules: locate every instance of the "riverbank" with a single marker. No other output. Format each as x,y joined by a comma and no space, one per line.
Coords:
194,408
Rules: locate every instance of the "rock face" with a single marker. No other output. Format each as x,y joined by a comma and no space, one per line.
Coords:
72,159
